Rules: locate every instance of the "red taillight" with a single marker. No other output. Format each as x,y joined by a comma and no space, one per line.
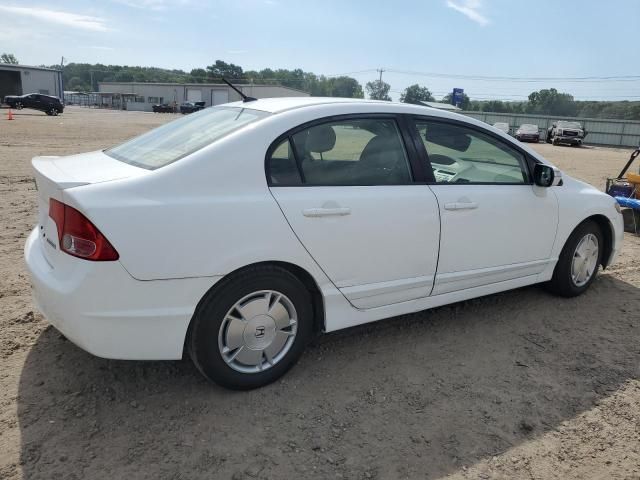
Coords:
79,237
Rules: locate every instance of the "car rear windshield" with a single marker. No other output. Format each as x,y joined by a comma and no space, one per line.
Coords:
179,138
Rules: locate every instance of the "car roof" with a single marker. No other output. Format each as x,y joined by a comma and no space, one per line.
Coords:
346,106
358,105
281,104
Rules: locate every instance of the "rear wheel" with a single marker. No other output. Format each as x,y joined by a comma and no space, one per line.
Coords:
579,261
252,328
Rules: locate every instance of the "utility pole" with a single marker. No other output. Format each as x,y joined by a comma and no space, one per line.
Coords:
62,79
380,70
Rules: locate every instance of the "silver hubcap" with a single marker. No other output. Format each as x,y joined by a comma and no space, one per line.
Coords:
258,331
585,260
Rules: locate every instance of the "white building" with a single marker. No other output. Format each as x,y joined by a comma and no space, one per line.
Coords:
21,79
141,96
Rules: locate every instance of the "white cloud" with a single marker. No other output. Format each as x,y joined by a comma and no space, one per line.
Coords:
68,19
470,9
154,5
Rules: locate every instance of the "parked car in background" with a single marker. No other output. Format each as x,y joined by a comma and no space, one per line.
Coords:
164,108
527,132
571,133
236,233
502,126
36,101
190,107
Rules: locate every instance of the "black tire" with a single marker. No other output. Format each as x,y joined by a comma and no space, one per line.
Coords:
203,341
562,283
548,139
18,106
53,112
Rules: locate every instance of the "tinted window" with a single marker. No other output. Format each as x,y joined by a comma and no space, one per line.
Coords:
179,138
351,152
463,155
282,165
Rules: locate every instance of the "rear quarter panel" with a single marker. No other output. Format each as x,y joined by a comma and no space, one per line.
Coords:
205,215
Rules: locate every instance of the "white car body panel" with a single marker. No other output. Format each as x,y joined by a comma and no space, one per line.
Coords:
495,234
183,227
383,249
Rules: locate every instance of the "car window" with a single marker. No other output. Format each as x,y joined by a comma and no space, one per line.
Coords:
459,154
352,152
179,138
282,165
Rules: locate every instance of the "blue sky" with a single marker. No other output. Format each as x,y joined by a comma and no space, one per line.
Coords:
488,38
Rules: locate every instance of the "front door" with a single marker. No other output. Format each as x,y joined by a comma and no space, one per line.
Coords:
347,190
496,225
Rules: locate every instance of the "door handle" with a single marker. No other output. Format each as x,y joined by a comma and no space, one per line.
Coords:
326,212
461,206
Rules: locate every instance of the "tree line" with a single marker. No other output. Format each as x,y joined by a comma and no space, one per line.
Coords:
542,102
85,77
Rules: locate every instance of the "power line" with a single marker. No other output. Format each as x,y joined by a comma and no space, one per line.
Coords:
622,78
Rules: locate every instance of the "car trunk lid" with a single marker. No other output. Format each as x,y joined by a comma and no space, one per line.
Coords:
53,175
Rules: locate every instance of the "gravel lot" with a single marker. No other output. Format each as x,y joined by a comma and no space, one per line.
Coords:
515,385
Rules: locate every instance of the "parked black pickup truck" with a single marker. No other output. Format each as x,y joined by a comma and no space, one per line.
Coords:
190,107
45,103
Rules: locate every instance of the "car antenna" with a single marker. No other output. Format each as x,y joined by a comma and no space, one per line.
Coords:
245,98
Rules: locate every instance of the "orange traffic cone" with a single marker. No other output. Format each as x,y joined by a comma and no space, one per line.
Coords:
9,115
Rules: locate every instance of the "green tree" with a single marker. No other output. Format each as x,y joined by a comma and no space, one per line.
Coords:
552,102
8,58
77,84
223,69
378,90
198,75
464,105
346,87
416,94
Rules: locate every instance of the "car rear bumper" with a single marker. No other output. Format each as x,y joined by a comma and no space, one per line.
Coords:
105,311
529,138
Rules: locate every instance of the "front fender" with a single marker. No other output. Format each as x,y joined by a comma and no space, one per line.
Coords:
577,202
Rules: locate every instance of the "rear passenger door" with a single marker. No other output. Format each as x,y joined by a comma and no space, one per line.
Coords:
346,186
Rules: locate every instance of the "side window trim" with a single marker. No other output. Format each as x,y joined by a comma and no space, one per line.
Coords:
415,171
419,157
524,166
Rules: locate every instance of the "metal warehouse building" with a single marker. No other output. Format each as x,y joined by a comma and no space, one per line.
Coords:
141,96
21,79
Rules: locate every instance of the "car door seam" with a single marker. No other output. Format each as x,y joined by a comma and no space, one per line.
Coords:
435,275
305,247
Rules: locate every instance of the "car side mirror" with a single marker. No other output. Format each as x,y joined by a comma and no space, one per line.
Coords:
546,175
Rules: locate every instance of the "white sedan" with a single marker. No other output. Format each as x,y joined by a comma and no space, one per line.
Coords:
236,233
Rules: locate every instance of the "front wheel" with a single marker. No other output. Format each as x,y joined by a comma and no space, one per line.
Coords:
579,261
18,106
252,328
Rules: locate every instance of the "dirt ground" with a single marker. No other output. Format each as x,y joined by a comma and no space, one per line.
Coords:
514,385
